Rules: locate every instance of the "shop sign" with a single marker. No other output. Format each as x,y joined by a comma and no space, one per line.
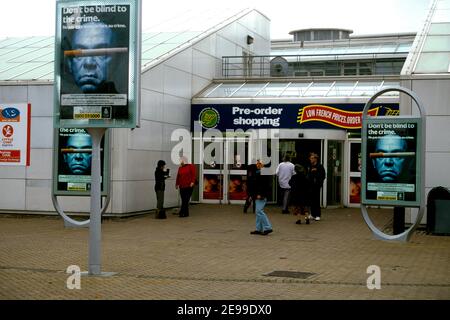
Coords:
285,116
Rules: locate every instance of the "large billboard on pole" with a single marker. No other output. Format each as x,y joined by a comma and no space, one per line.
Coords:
97,63
391,161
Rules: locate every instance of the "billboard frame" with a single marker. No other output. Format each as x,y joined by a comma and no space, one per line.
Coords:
404,236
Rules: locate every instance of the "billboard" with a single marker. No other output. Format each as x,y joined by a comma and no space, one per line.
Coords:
391,163
15,123
73,158
97,65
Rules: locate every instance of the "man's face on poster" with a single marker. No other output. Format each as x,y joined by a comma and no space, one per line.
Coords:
390,168
91,71
78,160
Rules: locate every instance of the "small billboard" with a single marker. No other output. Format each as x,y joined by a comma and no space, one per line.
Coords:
391,162
97,64
72,162
15,124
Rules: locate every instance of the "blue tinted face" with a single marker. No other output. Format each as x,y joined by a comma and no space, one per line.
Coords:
79,159
90,72
390,168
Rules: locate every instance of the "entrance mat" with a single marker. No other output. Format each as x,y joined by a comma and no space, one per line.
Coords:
290,274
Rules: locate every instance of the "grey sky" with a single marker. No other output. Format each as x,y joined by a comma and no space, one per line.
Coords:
36,17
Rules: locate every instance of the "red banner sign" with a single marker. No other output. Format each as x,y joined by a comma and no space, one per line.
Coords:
333,116
9,156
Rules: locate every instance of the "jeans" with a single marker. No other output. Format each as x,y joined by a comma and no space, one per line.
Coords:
262,222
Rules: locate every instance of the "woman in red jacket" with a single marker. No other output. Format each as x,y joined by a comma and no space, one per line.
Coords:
185,182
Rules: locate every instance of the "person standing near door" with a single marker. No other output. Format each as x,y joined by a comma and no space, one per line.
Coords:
315,177
161,174
185,182
285,171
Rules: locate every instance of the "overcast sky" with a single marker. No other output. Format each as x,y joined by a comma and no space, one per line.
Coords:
36,17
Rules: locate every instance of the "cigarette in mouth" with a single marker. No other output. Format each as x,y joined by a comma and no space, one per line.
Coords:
391,154
93,52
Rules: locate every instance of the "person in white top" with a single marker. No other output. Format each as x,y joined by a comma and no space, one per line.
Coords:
284,172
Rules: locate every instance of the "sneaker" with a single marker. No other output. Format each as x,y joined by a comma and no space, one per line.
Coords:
317,218
307,221
266,232
298,221
256,232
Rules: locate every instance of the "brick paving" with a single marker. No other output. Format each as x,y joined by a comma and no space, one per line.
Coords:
211,255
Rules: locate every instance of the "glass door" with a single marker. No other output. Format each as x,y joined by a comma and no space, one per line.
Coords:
354,183
212,177
237,152
334,172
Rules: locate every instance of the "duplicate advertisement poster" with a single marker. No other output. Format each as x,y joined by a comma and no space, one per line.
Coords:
15,123
74,159
96,51
391,162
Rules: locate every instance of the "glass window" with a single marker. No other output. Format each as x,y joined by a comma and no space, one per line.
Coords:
437,43
249,90
433,63
273,89
441,16
224,90
439,28
296,89
318,90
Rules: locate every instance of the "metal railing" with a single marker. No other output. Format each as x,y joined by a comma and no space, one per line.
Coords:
312,65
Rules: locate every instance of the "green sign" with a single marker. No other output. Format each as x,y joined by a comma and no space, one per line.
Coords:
97,64
209,118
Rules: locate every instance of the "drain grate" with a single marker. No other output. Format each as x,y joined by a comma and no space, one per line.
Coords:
290,274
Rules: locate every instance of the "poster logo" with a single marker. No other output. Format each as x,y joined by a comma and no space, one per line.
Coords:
209,118
7,131
10,113
333,116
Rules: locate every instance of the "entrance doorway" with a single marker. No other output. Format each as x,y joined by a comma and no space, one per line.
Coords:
298,150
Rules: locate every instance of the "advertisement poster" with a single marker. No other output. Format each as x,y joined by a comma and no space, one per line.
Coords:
237,188
74,161
355,190
392,161
212,186
97,63
15,124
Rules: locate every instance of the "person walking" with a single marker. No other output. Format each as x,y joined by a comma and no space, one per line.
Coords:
263,225
185,182
315,175
299,194
161,174
285,171
252,171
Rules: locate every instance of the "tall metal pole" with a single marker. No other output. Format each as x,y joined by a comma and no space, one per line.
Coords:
95,227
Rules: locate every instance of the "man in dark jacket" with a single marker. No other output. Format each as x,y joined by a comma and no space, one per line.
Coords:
315,176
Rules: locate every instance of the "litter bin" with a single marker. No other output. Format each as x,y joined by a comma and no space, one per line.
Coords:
438,211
